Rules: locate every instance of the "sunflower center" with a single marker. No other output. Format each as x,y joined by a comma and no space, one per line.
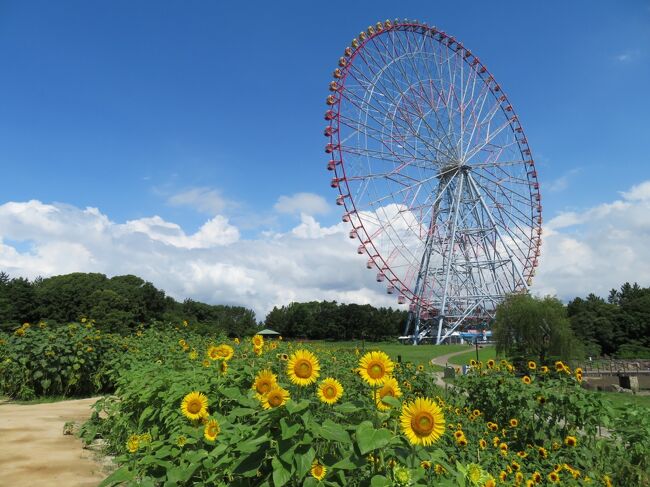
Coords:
194,407
303,369
212,430
386,392
275,399
318,470
376,370
263,387
329,392
422,423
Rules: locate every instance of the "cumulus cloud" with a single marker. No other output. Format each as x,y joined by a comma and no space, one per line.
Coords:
205,200
561,183
305,203
588,251
308,262
597,249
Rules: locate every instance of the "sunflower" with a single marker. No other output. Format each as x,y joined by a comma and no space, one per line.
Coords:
532,365
303,368
422,421
258,350
318,470
375,368
193,355
490,364
526,379
544,369
264,382
195,405
554,477
420,368
236,341
223,366
510,368
492,426
482,443
522,454
530,483
213,353
519,478
258,341
570,441
490,482
284,356
439,469
559,366
425,464
541,399
225,352
476,413
462,441
607,481
514,423
476,475
181,440
390,388
537,477
211,430
503,476
504,448
276,397
578,373
206,363
330,390
133,443
542,452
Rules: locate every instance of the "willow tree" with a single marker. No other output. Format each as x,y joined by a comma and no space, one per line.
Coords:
527,328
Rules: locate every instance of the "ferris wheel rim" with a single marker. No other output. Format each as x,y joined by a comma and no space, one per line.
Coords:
340,171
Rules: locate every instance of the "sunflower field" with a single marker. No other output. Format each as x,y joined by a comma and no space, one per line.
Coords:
179,408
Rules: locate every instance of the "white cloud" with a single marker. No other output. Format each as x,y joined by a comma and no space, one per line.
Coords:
588,251
215,265
561,183
304,203
205,200
597,249
628,56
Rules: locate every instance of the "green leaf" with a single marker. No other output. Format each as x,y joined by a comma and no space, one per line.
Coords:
345,464
303,461
379,481
122,474
288,431
252,445
334,432
346,408
369,438
392,401
295,407
248,465
281,475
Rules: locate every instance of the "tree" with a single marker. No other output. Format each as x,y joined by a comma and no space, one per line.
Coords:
527,327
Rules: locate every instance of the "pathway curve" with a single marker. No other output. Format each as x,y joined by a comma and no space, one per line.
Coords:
442,361
35,452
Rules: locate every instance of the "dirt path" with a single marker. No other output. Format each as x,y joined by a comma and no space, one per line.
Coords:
34,451
442,362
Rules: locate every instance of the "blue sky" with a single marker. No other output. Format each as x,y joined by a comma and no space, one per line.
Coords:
133,107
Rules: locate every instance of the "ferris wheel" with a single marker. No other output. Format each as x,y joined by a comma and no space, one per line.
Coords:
435,175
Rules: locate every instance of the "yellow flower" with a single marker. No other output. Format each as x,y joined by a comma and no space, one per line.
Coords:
236,341
284,356
390,388
544,369
490,363
223,366
258,341
482,443
303,368
607,481
193,355
276,397
537,477
532,365
264,382
425,464
490,483
526,379
462,441
502,476
422,421
554,477
420,368
514,423
330,390
542,452
211,430
375,368
559,366
206,363
504,448
181,440
258,350
318,470
195,405
133,443
570,441
578,373
439,469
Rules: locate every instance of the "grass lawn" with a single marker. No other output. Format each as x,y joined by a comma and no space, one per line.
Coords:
484,354
619,400
420,354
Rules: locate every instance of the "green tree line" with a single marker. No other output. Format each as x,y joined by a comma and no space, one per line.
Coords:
117,304
331,320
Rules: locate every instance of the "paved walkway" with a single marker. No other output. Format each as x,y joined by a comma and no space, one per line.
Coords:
34,452
442,361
